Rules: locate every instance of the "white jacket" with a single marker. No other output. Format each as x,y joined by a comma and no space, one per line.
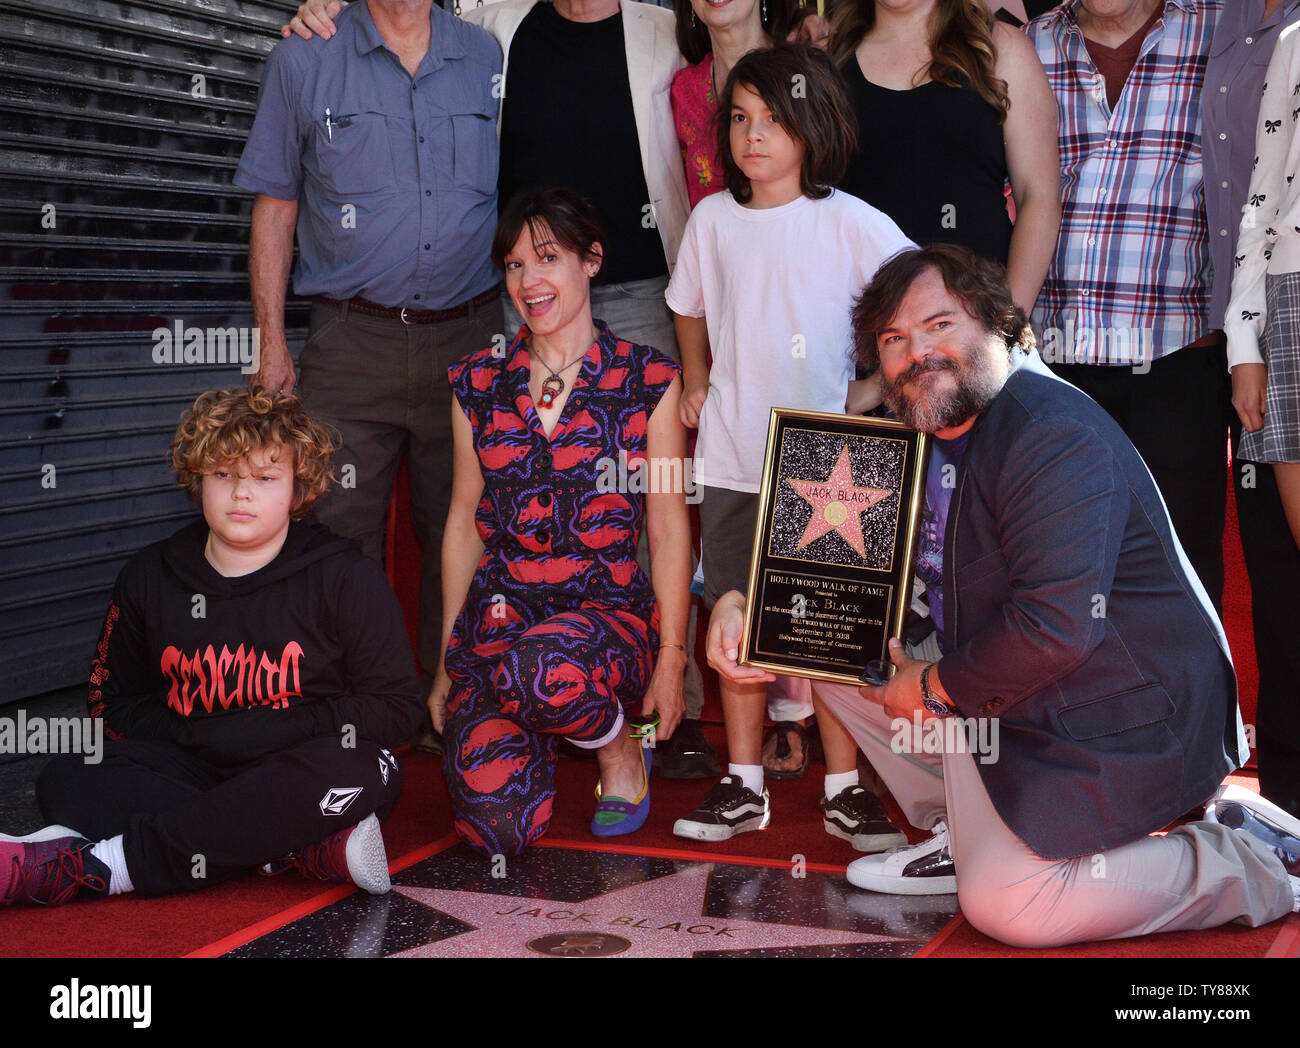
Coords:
649,35
1270,222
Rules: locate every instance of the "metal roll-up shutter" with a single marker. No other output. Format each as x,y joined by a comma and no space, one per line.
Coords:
120,128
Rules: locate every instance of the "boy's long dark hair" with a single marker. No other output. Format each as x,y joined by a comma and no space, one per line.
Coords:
806,96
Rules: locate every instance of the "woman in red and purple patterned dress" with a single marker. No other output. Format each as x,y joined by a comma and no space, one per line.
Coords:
567,440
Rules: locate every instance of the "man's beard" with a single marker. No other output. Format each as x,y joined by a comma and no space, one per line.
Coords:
977,383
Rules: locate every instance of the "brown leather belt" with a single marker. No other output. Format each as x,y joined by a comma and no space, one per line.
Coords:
407,315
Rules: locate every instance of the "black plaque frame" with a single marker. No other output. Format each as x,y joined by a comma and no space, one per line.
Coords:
852,604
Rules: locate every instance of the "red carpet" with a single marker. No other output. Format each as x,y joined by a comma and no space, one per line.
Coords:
1229,941
177,926
130,927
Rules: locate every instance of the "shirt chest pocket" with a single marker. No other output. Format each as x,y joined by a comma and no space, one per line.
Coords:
475,154
1259,56
352,154
1165,109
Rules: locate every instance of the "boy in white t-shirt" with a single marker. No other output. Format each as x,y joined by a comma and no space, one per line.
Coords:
766,278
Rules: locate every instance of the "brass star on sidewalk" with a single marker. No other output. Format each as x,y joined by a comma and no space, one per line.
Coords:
837,504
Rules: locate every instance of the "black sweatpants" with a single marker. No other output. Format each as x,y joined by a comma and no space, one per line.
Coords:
188,823
1273,564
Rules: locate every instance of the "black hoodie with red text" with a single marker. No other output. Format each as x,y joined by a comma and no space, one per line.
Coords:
233,669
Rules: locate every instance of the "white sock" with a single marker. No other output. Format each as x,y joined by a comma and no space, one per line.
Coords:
750,774
838,783
110,853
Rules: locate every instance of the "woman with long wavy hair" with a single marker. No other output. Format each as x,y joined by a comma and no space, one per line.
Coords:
953,106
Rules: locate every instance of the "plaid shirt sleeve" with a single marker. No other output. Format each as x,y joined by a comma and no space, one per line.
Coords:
1130,281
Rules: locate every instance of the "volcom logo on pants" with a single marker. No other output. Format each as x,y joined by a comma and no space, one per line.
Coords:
338,798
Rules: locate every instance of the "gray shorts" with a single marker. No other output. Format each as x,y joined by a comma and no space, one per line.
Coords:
726,540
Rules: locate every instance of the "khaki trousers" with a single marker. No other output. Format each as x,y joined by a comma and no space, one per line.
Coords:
1198,876
383,385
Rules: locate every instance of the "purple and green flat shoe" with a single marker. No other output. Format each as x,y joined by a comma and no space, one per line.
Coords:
616,816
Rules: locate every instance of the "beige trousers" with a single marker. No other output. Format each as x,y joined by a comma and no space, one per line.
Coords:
1198,876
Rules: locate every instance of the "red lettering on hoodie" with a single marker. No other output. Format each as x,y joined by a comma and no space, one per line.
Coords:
243,677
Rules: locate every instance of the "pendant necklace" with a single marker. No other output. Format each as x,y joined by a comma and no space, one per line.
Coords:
553,386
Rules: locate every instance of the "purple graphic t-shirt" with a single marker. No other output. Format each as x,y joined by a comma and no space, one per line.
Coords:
940,483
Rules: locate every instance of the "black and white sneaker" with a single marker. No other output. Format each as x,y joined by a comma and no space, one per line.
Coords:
729,809
855,815
920,869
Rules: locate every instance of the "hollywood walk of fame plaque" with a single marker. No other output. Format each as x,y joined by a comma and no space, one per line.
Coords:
830,578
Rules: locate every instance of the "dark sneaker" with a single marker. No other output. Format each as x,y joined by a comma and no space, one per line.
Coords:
687,755
920,869
729,809
855,815
1238,808
428,741
48,868
352,856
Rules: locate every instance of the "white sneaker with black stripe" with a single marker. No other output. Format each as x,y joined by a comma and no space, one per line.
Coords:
730,808
918,869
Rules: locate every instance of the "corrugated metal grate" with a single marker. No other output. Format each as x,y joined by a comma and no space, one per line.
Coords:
120,127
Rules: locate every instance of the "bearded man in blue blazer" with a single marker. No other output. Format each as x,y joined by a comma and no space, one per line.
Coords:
1076,653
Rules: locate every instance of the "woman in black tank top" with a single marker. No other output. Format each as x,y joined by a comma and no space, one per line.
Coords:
914,179
953,106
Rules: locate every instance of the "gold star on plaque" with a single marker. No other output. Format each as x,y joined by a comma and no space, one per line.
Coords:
837,505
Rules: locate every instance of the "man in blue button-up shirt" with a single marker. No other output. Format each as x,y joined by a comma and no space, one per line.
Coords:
380,150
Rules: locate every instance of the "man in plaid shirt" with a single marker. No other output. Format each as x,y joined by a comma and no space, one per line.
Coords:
1124,312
